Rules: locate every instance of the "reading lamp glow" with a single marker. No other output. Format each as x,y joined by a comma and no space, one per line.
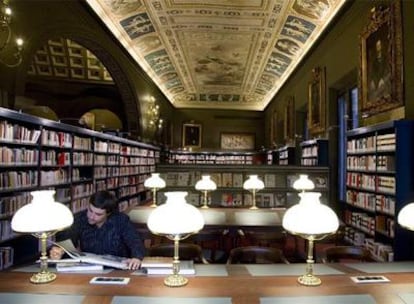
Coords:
205,184
253,184
406,217
42,218
176,220
154,182
303,183
312,221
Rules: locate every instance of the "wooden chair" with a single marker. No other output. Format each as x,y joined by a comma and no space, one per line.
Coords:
186,251
266,238
211,240
346,253
256,255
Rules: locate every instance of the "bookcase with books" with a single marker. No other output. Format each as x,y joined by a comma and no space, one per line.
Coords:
379,182
215,157
278,180
287,155
38,154
314,152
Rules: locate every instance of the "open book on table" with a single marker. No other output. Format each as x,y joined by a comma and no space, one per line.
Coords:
87,257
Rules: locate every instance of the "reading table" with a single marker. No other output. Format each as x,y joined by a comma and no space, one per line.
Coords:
222,284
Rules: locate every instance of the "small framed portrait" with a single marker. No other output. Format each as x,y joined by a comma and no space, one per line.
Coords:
317,102
192,135
380,85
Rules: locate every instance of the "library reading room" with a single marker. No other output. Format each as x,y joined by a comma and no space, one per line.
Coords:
209,152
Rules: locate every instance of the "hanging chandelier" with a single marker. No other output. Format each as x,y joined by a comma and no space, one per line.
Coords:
10,55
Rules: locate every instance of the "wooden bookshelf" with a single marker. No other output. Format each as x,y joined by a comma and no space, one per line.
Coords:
380,181
314,152
278,180
43,154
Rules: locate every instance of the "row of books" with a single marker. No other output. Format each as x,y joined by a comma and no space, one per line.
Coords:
360,220
385,225
56,139
371,201
379,251
236,180
17,179
17,133
386,142
365,144
10,204
17,156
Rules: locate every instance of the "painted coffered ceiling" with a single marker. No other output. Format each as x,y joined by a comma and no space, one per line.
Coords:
228,54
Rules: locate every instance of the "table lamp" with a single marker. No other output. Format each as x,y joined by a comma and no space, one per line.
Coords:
42,218
154,182
253,184
406,217
176,220
312,221
205,184
303,183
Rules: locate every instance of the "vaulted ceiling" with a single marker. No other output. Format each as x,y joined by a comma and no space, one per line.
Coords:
228,54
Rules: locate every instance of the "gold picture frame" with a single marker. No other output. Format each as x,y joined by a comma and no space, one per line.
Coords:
381,80
289,120
317,102
237,141
192,133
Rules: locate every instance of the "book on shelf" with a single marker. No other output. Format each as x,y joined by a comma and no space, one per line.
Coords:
77,266
86,257
186,267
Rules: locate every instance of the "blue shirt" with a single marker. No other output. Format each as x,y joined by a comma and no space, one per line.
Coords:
117,236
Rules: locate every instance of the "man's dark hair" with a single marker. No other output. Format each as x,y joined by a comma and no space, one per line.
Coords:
104,200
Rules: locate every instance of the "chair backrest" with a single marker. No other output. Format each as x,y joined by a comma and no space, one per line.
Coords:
256,255
266,238
348,253
186,251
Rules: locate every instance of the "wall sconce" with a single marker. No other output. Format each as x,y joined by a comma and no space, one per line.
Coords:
176,220
312,221
43,217
154,182
153,114
253,184
9,60
303,183
205,184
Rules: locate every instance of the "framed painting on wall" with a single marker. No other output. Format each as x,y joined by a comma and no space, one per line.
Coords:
317,102
381,61
289,120
237,141
192,135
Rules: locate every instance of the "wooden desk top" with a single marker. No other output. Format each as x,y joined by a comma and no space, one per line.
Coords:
239,286
224,216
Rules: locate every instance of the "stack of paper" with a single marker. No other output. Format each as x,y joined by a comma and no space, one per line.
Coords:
164,265
79,266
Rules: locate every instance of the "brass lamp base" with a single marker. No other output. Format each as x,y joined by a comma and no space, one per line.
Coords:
254,207
43,277
175,280
309,280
